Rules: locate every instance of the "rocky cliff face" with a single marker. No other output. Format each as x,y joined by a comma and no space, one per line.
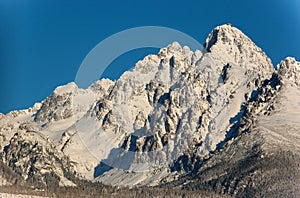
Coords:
176,112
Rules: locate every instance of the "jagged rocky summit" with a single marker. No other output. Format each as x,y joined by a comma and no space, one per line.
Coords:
223,119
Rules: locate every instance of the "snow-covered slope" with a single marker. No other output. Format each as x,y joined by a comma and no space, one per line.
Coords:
153,119
261,156
283,125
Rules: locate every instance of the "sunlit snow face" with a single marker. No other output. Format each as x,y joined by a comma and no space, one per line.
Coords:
129,108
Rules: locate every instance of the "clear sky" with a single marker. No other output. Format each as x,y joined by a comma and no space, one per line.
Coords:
43,42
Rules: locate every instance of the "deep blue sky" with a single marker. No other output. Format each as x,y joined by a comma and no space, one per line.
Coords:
43,42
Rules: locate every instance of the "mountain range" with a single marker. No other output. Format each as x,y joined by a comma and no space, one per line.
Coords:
222,120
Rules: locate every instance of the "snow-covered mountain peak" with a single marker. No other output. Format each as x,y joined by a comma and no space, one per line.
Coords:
221,33
290,69
227,34
228,44
289,63
102,85
70,87
175,46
